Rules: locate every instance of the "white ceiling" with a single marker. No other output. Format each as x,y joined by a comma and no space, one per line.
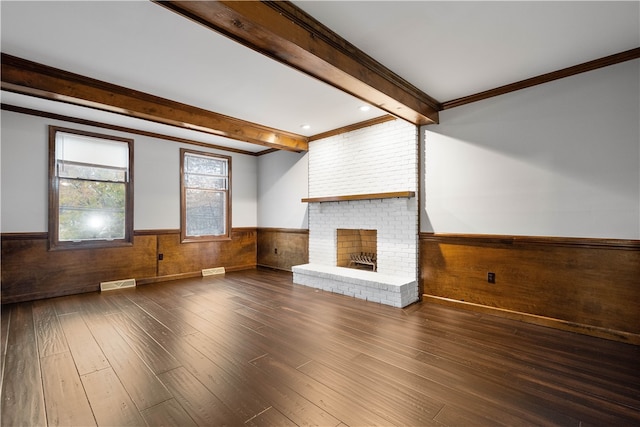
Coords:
447,49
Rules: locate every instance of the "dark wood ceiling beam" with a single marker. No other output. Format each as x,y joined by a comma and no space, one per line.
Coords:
287,34
545,78
93,123
30,78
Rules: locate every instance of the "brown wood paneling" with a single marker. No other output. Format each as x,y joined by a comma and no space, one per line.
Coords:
587,285
180,258
30,271
282,248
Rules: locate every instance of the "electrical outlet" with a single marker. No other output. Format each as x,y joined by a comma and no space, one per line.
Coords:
160,257
275,251
491,277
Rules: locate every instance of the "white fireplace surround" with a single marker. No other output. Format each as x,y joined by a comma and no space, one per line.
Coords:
380,159
396,221
367,285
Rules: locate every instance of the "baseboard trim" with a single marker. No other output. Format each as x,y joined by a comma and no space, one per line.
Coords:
54,294
241,267
169,277
594,331
189,275
271,267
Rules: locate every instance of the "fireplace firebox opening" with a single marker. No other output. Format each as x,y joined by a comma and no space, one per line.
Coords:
357,248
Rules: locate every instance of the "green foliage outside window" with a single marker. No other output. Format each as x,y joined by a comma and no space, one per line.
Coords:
205,187
92,189
91,210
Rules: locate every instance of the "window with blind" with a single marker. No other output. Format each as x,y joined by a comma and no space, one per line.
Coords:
91,192
205,196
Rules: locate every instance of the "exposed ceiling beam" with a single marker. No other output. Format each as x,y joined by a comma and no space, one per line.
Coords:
287,34
93,123
30,78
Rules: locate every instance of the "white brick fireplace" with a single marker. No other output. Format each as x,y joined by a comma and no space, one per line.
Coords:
377,166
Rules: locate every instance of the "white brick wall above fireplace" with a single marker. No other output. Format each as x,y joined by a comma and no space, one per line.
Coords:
378,159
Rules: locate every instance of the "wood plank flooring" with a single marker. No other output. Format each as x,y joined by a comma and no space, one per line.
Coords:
251,348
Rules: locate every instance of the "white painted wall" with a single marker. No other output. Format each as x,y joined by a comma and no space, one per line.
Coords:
559,159
24,177
24,146
282,183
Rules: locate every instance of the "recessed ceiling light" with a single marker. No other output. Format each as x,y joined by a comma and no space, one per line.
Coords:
365,108
305,126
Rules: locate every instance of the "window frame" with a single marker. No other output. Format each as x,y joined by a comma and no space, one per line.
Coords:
184,238
54,196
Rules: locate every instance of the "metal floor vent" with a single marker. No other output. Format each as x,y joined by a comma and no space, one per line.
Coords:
117,284
212,271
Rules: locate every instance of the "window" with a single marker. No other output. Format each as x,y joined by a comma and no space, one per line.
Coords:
91,192
205,196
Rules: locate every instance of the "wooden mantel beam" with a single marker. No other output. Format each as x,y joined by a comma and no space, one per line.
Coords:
30,78
287,34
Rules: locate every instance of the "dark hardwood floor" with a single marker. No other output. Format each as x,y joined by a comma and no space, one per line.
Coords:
252,348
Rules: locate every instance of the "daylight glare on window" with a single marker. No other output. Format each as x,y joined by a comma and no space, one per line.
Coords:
93,178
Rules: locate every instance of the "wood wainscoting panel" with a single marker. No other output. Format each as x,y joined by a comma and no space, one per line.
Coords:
30,271
590,286
185,259
282,248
